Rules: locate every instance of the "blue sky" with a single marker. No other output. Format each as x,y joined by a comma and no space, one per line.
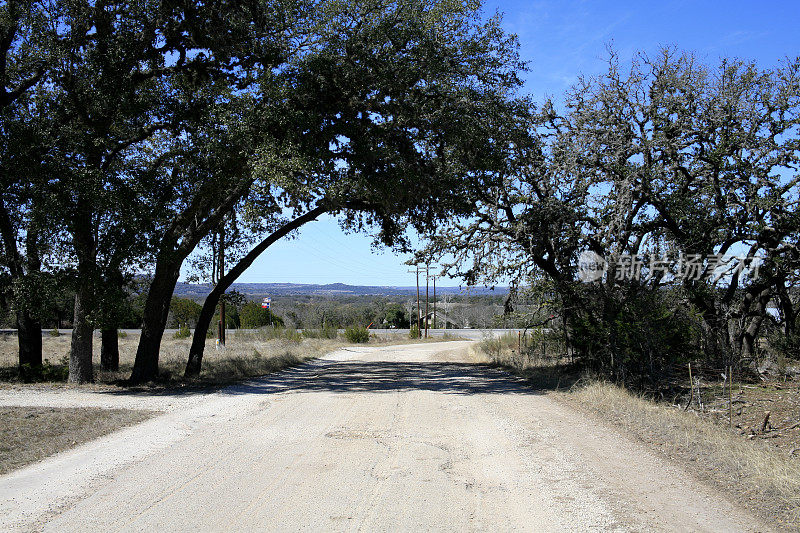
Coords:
561,40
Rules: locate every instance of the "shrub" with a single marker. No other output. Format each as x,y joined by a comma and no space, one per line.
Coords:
55,333
414,332
357,334
291,335
636,334
183,332
783,345
58,372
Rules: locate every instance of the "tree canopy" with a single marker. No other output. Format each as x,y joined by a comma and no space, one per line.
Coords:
148,126
138,135
650,165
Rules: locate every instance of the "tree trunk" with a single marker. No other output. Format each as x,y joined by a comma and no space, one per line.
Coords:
80,355
752,327
29,329
29,333
109,350
156,312
83,239
113,295
194,364
787,308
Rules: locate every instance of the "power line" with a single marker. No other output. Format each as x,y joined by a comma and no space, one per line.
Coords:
427,269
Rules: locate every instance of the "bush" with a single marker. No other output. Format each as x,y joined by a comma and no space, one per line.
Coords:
182,333
783,349
636,336
57,372
55,333
786,346
290,334
357,334
414,332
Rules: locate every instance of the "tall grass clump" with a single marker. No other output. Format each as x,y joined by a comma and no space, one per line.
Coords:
496,348
270,333
328,332
279,333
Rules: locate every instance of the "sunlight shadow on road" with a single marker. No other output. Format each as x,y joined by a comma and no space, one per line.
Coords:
386,376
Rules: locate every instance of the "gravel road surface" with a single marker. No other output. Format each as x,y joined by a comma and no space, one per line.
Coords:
365,439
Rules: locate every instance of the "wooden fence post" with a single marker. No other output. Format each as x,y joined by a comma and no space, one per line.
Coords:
730,396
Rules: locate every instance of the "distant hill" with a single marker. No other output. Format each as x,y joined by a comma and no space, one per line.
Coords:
190,290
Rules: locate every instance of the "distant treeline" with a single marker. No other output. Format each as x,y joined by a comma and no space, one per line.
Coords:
315,312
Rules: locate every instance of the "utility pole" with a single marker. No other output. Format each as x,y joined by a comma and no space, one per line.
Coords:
446,309
427,277
434,302
417,315
416,270
427,269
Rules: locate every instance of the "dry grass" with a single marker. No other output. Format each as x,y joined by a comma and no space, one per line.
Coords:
247,354
244,356
387,339
764,479
29,434
542,371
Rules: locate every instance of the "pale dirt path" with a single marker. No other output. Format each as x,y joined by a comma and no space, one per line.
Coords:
104,399
390,438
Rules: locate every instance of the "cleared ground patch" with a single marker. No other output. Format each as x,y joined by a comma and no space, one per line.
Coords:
29,434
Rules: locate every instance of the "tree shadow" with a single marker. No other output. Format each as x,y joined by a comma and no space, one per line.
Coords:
386,376
373,376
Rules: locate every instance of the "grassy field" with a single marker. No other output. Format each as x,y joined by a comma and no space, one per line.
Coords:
246,354
243,356
759,468
28,434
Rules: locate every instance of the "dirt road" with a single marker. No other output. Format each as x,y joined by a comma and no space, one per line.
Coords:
390,438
